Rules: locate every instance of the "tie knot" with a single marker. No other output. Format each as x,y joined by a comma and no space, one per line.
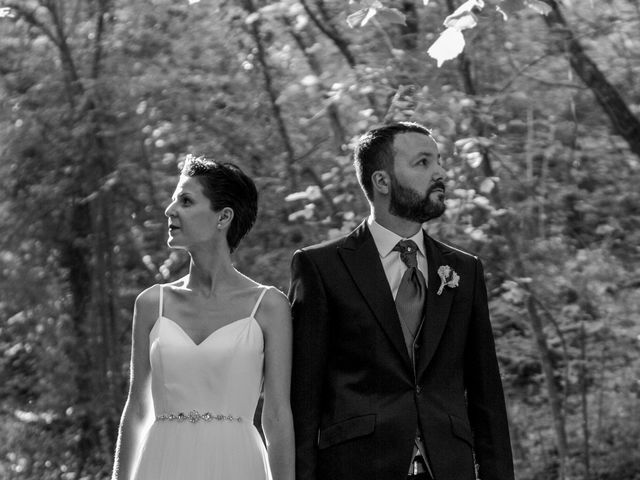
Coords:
408,250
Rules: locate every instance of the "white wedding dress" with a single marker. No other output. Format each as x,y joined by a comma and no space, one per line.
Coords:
205,396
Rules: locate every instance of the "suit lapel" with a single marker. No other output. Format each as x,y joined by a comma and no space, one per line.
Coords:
438,306
361,257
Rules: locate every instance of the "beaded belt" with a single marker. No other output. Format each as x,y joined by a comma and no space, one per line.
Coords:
194,416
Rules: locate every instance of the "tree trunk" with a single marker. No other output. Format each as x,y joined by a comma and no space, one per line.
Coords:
520,271
333,114
625,123
326,26
409,32
254,30
555,399
76,260
584,390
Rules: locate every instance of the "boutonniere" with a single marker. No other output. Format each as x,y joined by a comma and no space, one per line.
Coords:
448,278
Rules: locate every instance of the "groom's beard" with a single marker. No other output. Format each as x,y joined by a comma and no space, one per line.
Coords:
408,204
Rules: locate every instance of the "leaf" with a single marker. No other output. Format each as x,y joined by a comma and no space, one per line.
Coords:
462,21
463,17
448,46
464,145
372,8
466,7
392,15
482,201
292,197
7,12
361,17
509,7
306,213
542,8
474,159
309,80
505,17
310,194
368,3
252,18
487,185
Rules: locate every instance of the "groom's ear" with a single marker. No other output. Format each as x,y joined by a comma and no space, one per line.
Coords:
381,181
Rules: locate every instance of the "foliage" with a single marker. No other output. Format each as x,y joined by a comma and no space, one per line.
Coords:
102,100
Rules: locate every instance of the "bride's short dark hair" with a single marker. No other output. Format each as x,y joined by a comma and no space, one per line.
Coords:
226,185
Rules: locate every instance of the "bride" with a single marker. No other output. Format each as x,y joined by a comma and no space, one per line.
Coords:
205,346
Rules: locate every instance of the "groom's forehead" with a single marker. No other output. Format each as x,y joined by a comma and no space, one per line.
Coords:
413,143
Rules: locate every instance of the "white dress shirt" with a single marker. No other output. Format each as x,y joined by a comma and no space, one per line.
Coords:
393,265
394,269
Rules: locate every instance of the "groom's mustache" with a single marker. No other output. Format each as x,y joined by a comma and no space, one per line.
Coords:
435,186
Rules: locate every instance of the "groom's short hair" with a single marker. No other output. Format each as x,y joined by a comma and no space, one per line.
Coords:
374,151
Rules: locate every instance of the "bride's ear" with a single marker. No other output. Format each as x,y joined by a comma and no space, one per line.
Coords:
225,217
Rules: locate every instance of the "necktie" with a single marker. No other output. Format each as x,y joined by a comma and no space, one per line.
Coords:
412,292
410,300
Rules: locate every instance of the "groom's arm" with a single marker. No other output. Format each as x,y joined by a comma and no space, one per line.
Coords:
485,397
310,320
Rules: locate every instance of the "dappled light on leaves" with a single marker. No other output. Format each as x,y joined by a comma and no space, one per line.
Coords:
451,42
510,7
373,8
448,46
463,17
541,184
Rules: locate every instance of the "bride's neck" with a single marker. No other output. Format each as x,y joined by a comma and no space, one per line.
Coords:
207,273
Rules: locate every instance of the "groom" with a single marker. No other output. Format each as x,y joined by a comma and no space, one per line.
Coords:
394,367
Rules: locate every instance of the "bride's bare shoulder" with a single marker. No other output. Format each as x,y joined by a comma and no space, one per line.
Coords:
147,305
274,306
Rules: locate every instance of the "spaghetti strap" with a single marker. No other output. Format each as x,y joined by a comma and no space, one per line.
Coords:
255,308
160,302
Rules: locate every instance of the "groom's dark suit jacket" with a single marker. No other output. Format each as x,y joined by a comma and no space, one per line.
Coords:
357,398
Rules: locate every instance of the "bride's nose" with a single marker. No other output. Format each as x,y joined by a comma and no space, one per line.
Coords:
169,211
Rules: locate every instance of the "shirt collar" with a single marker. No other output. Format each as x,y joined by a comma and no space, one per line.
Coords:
386,240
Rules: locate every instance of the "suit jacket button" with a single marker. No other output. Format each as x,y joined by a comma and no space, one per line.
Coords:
418,389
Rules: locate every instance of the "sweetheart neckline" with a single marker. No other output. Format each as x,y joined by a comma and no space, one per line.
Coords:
193,343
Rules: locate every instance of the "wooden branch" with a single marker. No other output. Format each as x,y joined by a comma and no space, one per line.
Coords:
521,70
624,122
330,31
97,46
535,320
254,30
326,27
30,18
332,110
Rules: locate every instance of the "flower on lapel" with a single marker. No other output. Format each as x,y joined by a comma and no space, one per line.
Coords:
448,278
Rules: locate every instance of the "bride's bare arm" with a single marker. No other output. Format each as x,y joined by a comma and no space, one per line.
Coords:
137,406
274,317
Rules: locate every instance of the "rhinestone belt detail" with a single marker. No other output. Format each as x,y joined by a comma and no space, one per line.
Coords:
194,417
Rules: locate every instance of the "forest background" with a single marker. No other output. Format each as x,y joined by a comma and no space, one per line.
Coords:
537,119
